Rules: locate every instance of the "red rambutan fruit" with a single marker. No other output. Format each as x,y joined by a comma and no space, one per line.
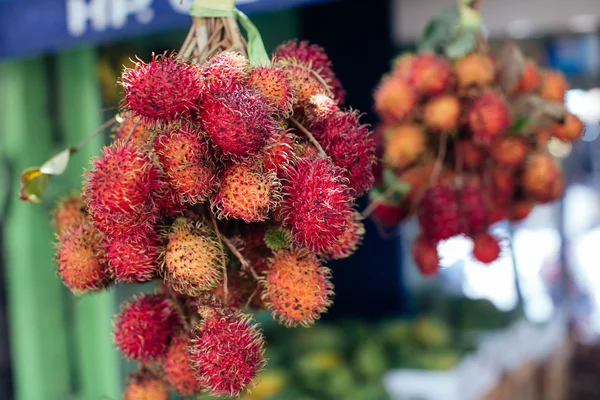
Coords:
441,113
132,124
472,206
486,248
69,211
389,214
351,147
349,241
474,70
305,81
542,177
319,108
468,154
145,326
520,210
417,178
297,288
238,120
438,212
246,192
144,385
133,257
496,214
278,154
79,254
224,69
509,151
316,204
228,353
404,145
502,185
188,163
275,85
570,130
118,189
427,74
162,90
530,78
426,257
193,259
314,56
488,117
395,100
553,86
177,367
167,201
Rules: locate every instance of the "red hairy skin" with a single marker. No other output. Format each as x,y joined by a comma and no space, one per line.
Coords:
428,75
188,163
228,353
472,207
486,248
316,204
145,326
69,211
118,190
297,288
222,70
162,90
80,257
425,256
488,117
315,57
351,147
278,154
275,85
239,121
438,213
178,370
134,257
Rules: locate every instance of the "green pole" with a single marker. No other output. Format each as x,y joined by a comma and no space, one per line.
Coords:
35,296
97,360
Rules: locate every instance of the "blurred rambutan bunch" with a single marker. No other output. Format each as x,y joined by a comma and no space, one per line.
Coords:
231,181
464,137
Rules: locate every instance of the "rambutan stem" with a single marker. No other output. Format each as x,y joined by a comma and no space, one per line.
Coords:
133,128
98,131
231,247
439,162
309,135
252,296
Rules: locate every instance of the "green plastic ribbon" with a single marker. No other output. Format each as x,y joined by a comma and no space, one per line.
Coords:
257,54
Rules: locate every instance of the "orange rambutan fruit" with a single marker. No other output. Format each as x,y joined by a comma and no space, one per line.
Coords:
349,241
275,85
402,64
69,211
144,385
427,74
542,177
80,257
297,288
246,192
426,257
530,78
488,117
468,154
486,248
543,136
304,80
570,130
194,258
278,154
404,145
187,162
474,70
177,367
128,123
553,86
395,100
509,151
441,113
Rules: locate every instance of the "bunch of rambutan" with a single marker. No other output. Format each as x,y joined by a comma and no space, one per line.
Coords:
231,184
463,144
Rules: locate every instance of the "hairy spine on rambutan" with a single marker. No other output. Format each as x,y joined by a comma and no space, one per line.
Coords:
316,204
80,256
395,100
425,255
472,206
313,56
162,90
129,123
133,257
69,211
238,120
118,189
438,212
441,114
404,145
275,84
297,288
278,154
178,369
349,241
246,192
488,117
428,74
194,258
145,385
474,70
319,108
351,147
306,82
227,351
188,163
145,326
222,70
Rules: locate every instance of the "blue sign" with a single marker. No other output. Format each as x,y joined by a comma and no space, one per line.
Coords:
38,26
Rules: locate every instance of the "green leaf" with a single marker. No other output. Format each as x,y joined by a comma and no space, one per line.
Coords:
519,125
57,164
470,19
277,238
463,43
439,29
33,183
